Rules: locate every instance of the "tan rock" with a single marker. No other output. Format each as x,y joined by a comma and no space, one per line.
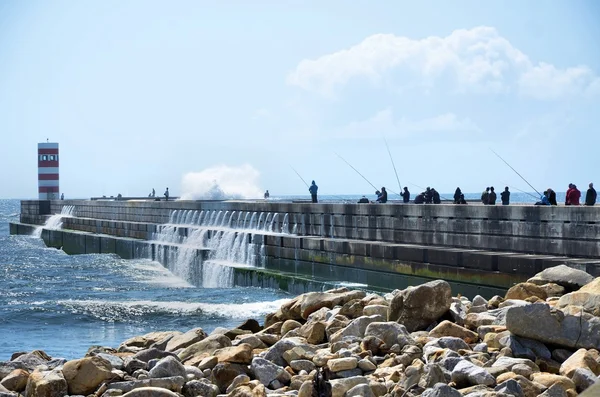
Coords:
150,392
184,340
553,290
588,300
314,332
145,341
525,290
580,359
204,348
16,380
46,384
289,325
372,309
447,328
241,354
83,376
342,364
548,380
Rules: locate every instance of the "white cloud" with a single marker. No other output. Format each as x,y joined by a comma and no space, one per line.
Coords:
476,60
384,123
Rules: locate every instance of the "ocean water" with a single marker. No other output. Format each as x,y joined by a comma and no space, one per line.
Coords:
64,304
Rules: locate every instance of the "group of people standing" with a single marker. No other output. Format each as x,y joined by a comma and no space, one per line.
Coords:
489,197
571,198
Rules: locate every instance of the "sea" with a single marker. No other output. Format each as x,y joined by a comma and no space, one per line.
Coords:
64,304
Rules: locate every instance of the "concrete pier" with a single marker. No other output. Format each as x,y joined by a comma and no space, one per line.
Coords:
481,249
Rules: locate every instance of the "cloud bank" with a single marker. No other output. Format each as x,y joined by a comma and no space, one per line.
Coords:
220,183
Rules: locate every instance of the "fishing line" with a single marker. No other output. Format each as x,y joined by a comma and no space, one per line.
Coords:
521,176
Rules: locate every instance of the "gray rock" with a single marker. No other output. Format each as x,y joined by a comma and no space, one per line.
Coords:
479,300
584,378
517,349
152,354
46,383
132,364
433,375
174,383
509,362
302,365
339,387
458,312
556,390
266,371
441,390
356,328
510,387
150,392
468,374
275,353
480,348
569,278
6,367
239,380
540,323
366,365
361,390
389,332
193,372
201,387
116,362
56,363
168,367
417,307
348,373
538,348
184,340
32,360
452,343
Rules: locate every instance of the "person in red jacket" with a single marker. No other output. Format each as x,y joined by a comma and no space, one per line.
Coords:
573,196
568,194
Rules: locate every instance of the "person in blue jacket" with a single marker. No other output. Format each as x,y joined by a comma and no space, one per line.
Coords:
313,191
544,199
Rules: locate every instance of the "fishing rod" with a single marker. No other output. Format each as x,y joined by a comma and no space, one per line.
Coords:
356,171
393,165
521,176
522,191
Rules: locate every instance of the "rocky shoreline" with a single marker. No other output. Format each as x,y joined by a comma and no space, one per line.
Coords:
541,339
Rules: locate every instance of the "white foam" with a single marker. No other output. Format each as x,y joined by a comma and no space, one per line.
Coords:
154,273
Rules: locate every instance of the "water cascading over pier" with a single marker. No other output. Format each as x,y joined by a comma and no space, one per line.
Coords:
203,247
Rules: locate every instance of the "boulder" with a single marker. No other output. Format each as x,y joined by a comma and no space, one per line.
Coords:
587,297
546,379
447,328
417,307
167,367
289,325
583,378
31,361
46,384
152,354
201,387
441,390
145,341
466,373
539,322
302,365
150,392
339,387
204,348
241,354
342,364
6,367
276,352
239,380
184,340
223,374
314,332
173,383
302,306
266,372
83,376
16,380
361,390
554,391
133,364
370,310
356,328
115,361
571,279
580,359
523,291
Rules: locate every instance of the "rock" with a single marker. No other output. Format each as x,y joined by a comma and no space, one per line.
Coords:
555,391
441,390
304,352
205,347
251,389
201,387
148,340
150,392
580,359
546,379
239,380
173,383
31,361
167,367
452,343
353,309
467,373
366,365
314,332
250,325
306,390
208,363
571,279
132,364
553,290
356,328
458,312
83,376
584,378
371,310
541,323
289,325
275,353
433,375
510,387
6,367
252,340
522,369
266,371
152,354
46,384
510,362
590,302
389,332
342,364
372,344
184,340
447,328
192,372
339,387
523,291
16,380
115,362
241,354
302,306
561,355
223,373
417,307
361,390
302,365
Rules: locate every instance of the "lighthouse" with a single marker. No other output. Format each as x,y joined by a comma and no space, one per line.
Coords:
48,171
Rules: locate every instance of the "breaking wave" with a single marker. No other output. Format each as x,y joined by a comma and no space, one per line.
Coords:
221,183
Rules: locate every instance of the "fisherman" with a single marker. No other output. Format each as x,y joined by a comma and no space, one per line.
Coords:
420,199
492,197
544,199
505,196
457,194
405,195
363,200
485,196
435,196
382,197
267,194
153,192
590,196
428,195
313,191
62,196
461,199
166,194
573,195
552,197
568,194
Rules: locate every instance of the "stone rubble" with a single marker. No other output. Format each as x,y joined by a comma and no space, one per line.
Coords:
541,339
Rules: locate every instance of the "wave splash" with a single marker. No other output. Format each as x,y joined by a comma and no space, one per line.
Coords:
221,182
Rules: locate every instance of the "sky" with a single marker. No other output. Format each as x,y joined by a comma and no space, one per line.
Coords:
154,94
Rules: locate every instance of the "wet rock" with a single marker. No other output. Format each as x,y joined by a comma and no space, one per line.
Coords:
241,354
523,291
201,387
46,384
467,373
339,387
150,392
16,380
203,348
447,328
417,307
184,340
173,383
541,323
571,279
441,390
167,367
83,376
266,372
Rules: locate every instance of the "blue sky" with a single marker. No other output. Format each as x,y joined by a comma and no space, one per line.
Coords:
144,94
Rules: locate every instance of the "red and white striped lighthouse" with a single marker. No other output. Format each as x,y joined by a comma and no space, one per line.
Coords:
48,171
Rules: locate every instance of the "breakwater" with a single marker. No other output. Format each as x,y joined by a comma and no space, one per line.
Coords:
303,246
